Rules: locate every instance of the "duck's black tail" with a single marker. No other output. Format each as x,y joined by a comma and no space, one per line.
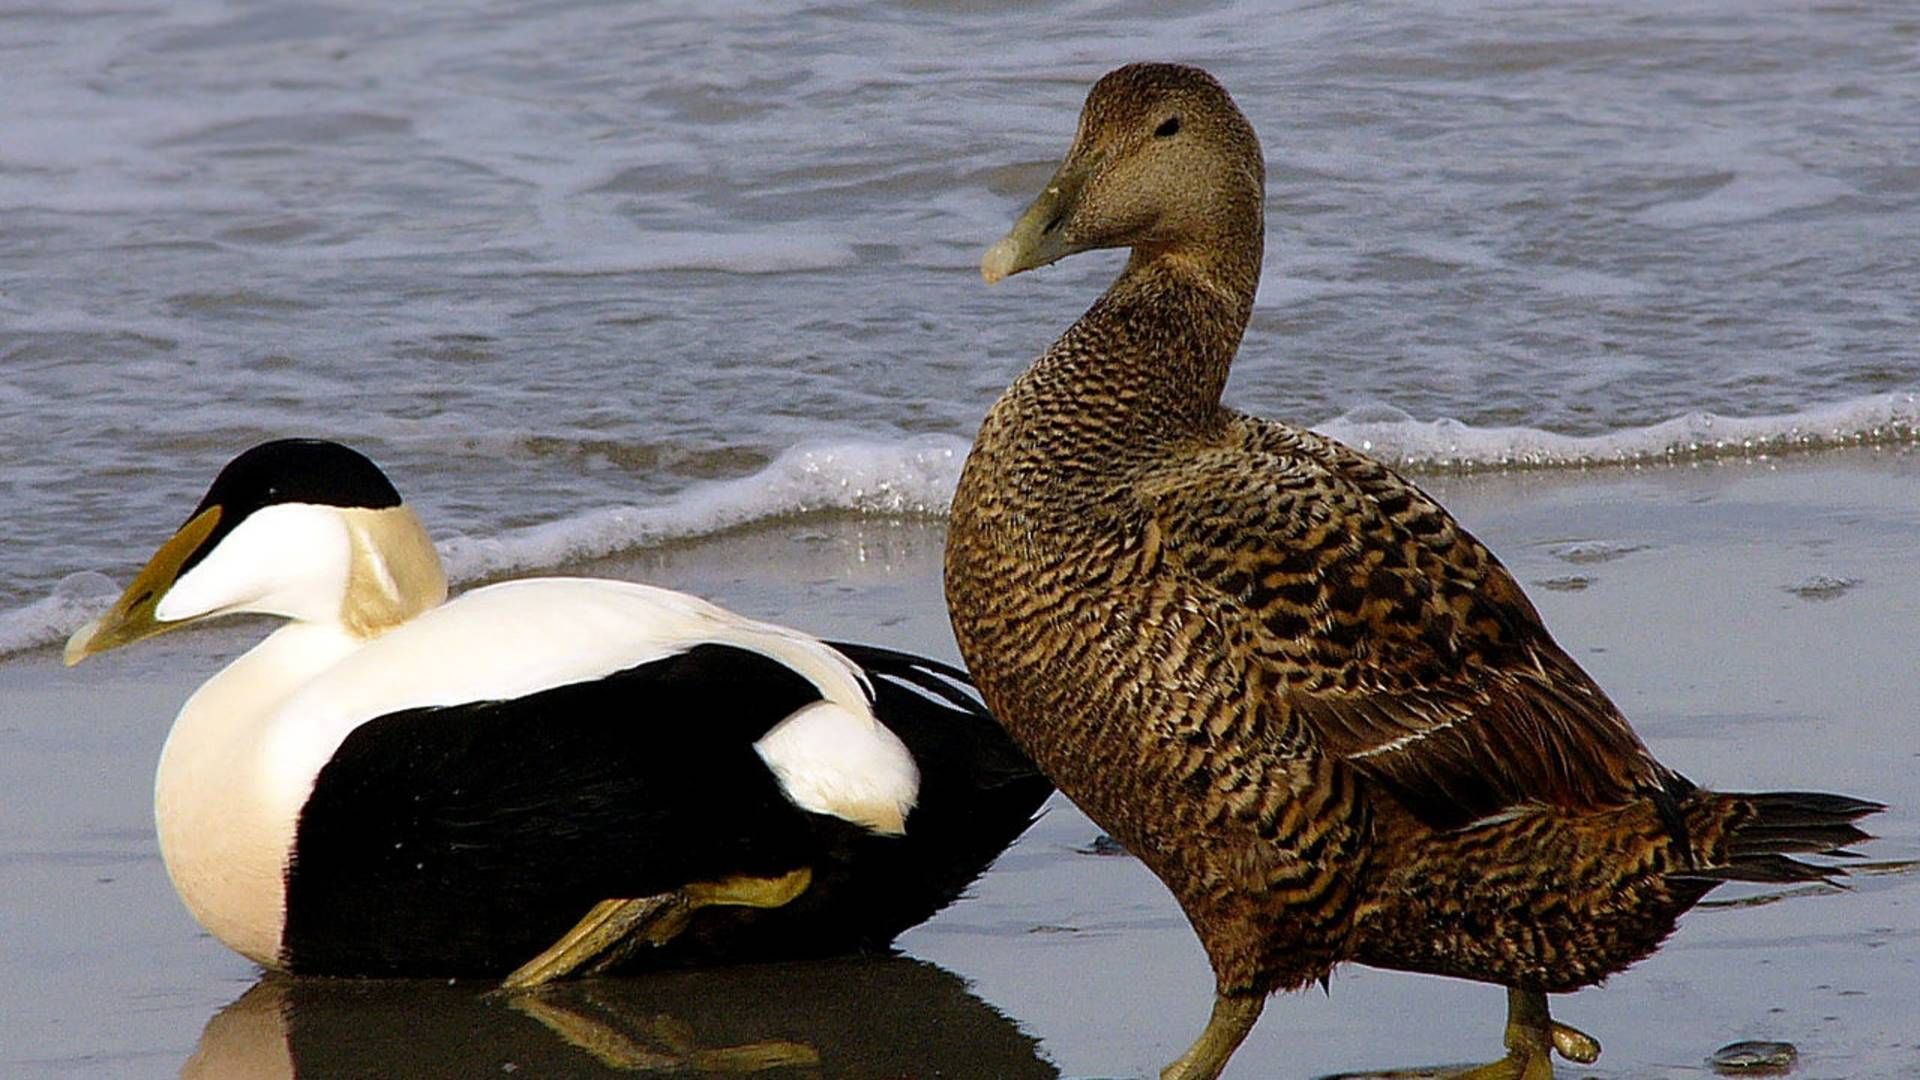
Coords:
961,749
1753,836
978,793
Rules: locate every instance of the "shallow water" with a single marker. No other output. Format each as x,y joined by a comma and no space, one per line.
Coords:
1693,615
544,260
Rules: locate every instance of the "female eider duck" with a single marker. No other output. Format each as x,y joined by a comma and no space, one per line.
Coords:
1321,712
540,777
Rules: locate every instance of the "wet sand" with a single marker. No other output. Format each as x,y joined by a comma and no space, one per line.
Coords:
1760,621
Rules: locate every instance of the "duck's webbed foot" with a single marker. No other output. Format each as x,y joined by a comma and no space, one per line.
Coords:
613,929
1532,1038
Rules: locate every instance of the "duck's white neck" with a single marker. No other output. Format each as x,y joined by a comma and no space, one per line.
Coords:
225,820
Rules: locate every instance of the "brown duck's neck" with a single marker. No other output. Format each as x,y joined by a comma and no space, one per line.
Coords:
1155,349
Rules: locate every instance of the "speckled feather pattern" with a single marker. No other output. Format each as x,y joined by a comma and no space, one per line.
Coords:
1322,712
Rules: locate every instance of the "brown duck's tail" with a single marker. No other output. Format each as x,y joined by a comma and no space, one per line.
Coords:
1741,836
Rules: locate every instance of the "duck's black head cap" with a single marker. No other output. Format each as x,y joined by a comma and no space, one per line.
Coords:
300,469
313,471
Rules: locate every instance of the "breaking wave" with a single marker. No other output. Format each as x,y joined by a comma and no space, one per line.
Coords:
917,477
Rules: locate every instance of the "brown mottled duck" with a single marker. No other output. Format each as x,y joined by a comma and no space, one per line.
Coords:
1282,675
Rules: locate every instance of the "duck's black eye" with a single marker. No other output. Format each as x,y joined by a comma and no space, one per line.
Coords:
1168,128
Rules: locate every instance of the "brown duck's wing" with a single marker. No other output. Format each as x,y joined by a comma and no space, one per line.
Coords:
1399,640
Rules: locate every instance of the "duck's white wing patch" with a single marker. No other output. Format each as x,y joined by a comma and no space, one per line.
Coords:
832,761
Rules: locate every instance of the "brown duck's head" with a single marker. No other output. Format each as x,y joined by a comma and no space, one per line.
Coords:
1163,163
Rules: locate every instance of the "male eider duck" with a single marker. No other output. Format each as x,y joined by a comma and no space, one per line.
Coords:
1278,672
541,777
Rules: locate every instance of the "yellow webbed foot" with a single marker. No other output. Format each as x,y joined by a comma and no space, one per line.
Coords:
732,892
612,929
1575,1045
1533,1036
607,926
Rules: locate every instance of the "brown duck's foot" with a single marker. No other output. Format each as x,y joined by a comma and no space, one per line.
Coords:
613,929
1575,1045
1532,1037
1233,1016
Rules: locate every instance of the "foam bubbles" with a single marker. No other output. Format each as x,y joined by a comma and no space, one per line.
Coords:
918,476
914,477
1448,444
77,599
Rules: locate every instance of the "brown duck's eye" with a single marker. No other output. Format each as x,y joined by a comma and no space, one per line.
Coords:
1168,128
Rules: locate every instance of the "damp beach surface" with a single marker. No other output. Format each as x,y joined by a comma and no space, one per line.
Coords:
689,294
1067,958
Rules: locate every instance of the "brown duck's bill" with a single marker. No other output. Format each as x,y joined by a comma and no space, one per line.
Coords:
132,616
1039,237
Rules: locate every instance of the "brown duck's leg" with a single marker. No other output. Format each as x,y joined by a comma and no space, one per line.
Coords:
1532,1037
1233,1016
612,929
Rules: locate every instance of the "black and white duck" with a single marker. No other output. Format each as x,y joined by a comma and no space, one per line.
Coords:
540,777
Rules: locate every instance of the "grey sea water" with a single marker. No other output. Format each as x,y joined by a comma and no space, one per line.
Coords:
589,275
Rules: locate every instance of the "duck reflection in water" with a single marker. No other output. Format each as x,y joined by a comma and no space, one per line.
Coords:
886,1017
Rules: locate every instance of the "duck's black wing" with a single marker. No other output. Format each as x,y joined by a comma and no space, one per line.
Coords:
464,839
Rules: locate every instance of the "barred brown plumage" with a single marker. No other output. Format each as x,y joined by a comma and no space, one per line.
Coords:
1316,707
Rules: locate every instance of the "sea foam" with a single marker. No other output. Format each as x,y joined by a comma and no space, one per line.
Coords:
917,477
1449,445
911,478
